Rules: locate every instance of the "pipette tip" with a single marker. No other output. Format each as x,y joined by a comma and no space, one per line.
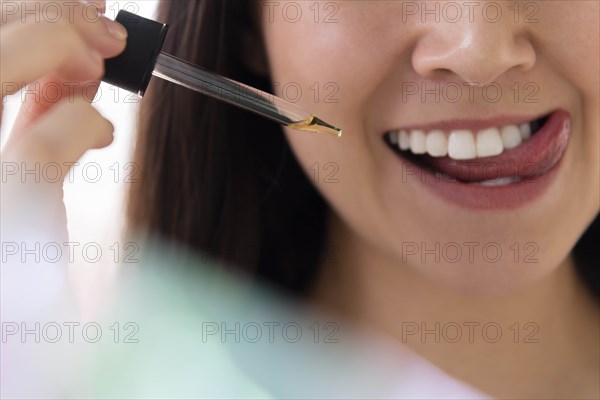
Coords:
316,125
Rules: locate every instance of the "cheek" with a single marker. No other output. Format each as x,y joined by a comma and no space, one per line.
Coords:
329,68
332,70
581,64
575,53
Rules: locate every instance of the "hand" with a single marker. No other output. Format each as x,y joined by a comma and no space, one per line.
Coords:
50,46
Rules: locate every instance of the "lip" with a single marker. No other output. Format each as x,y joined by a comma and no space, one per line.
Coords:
535,162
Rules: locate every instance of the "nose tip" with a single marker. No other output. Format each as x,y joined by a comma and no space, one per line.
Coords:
476,55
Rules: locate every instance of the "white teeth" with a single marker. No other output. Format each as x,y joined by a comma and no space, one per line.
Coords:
404,140
437,144
509,180
489,143
511,136
418,142
461,145
525,131
394,137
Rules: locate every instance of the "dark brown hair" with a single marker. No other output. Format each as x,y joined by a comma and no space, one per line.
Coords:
213,177
225,182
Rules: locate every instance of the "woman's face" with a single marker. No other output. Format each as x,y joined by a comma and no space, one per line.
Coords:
462,82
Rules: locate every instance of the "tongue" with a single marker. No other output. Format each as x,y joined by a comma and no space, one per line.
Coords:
534,157
481,169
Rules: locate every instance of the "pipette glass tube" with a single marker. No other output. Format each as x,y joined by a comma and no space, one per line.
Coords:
143,58
262,103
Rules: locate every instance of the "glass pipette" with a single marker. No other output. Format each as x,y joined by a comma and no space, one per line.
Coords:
143,58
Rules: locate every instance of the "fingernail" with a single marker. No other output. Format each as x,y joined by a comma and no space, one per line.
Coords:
115,29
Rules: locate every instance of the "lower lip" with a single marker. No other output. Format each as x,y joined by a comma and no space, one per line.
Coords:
552,137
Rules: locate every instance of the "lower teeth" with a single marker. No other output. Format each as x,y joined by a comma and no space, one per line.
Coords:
499,182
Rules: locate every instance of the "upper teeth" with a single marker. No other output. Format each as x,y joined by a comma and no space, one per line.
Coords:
461,144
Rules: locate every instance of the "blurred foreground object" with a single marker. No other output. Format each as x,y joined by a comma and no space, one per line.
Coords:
181,327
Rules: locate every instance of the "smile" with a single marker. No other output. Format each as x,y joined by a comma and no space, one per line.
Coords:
483,164
464,144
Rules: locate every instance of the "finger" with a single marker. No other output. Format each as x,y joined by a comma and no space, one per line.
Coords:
99,4
31,50
63,135
100,32
42,95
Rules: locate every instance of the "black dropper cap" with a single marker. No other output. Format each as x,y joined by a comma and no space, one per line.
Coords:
132,69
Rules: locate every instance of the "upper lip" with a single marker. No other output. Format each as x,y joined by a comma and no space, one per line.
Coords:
471,124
